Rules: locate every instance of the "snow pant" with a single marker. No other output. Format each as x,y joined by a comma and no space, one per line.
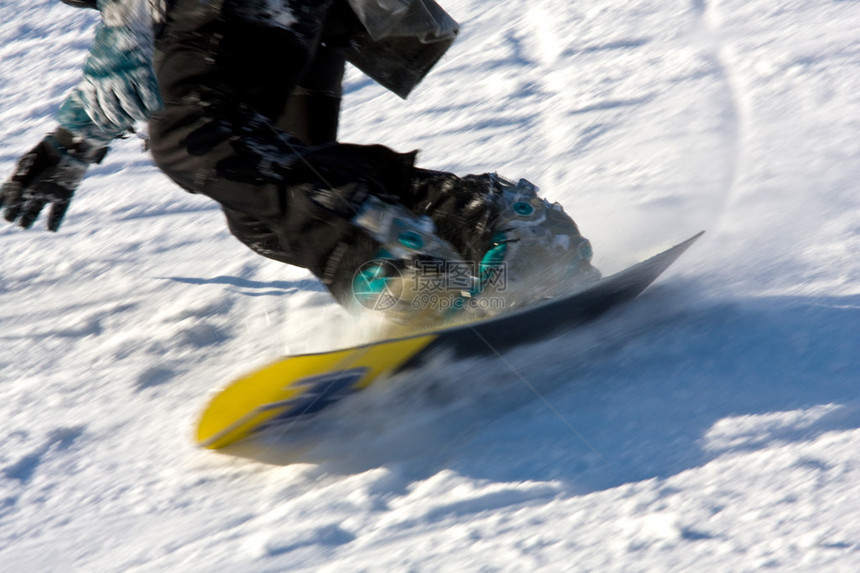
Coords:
250,120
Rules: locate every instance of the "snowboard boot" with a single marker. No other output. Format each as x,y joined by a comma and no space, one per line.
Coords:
537,250
416,279
421,280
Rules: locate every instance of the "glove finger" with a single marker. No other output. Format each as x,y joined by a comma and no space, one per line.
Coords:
32,165
30,212
58,211
10,195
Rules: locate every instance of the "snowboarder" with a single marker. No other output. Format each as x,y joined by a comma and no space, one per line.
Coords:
242,99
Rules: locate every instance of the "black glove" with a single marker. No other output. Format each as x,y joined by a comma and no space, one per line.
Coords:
49,173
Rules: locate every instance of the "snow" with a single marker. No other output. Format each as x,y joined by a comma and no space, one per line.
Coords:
713,424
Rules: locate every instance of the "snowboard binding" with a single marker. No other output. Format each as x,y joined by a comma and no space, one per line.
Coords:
542,252
420,280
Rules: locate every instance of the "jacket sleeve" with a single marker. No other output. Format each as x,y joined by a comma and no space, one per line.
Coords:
118,86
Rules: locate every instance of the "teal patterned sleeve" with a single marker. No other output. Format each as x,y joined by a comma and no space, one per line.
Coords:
118,87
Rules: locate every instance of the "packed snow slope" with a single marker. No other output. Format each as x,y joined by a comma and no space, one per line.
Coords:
711,425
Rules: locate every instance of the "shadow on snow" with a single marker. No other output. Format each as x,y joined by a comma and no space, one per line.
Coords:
651,390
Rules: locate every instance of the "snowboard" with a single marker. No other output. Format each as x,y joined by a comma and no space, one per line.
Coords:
296,387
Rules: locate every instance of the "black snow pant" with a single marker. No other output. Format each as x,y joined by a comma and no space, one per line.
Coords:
250,120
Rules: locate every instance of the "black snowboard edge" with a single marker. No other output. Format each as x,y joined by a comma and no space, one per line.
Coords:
532,324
